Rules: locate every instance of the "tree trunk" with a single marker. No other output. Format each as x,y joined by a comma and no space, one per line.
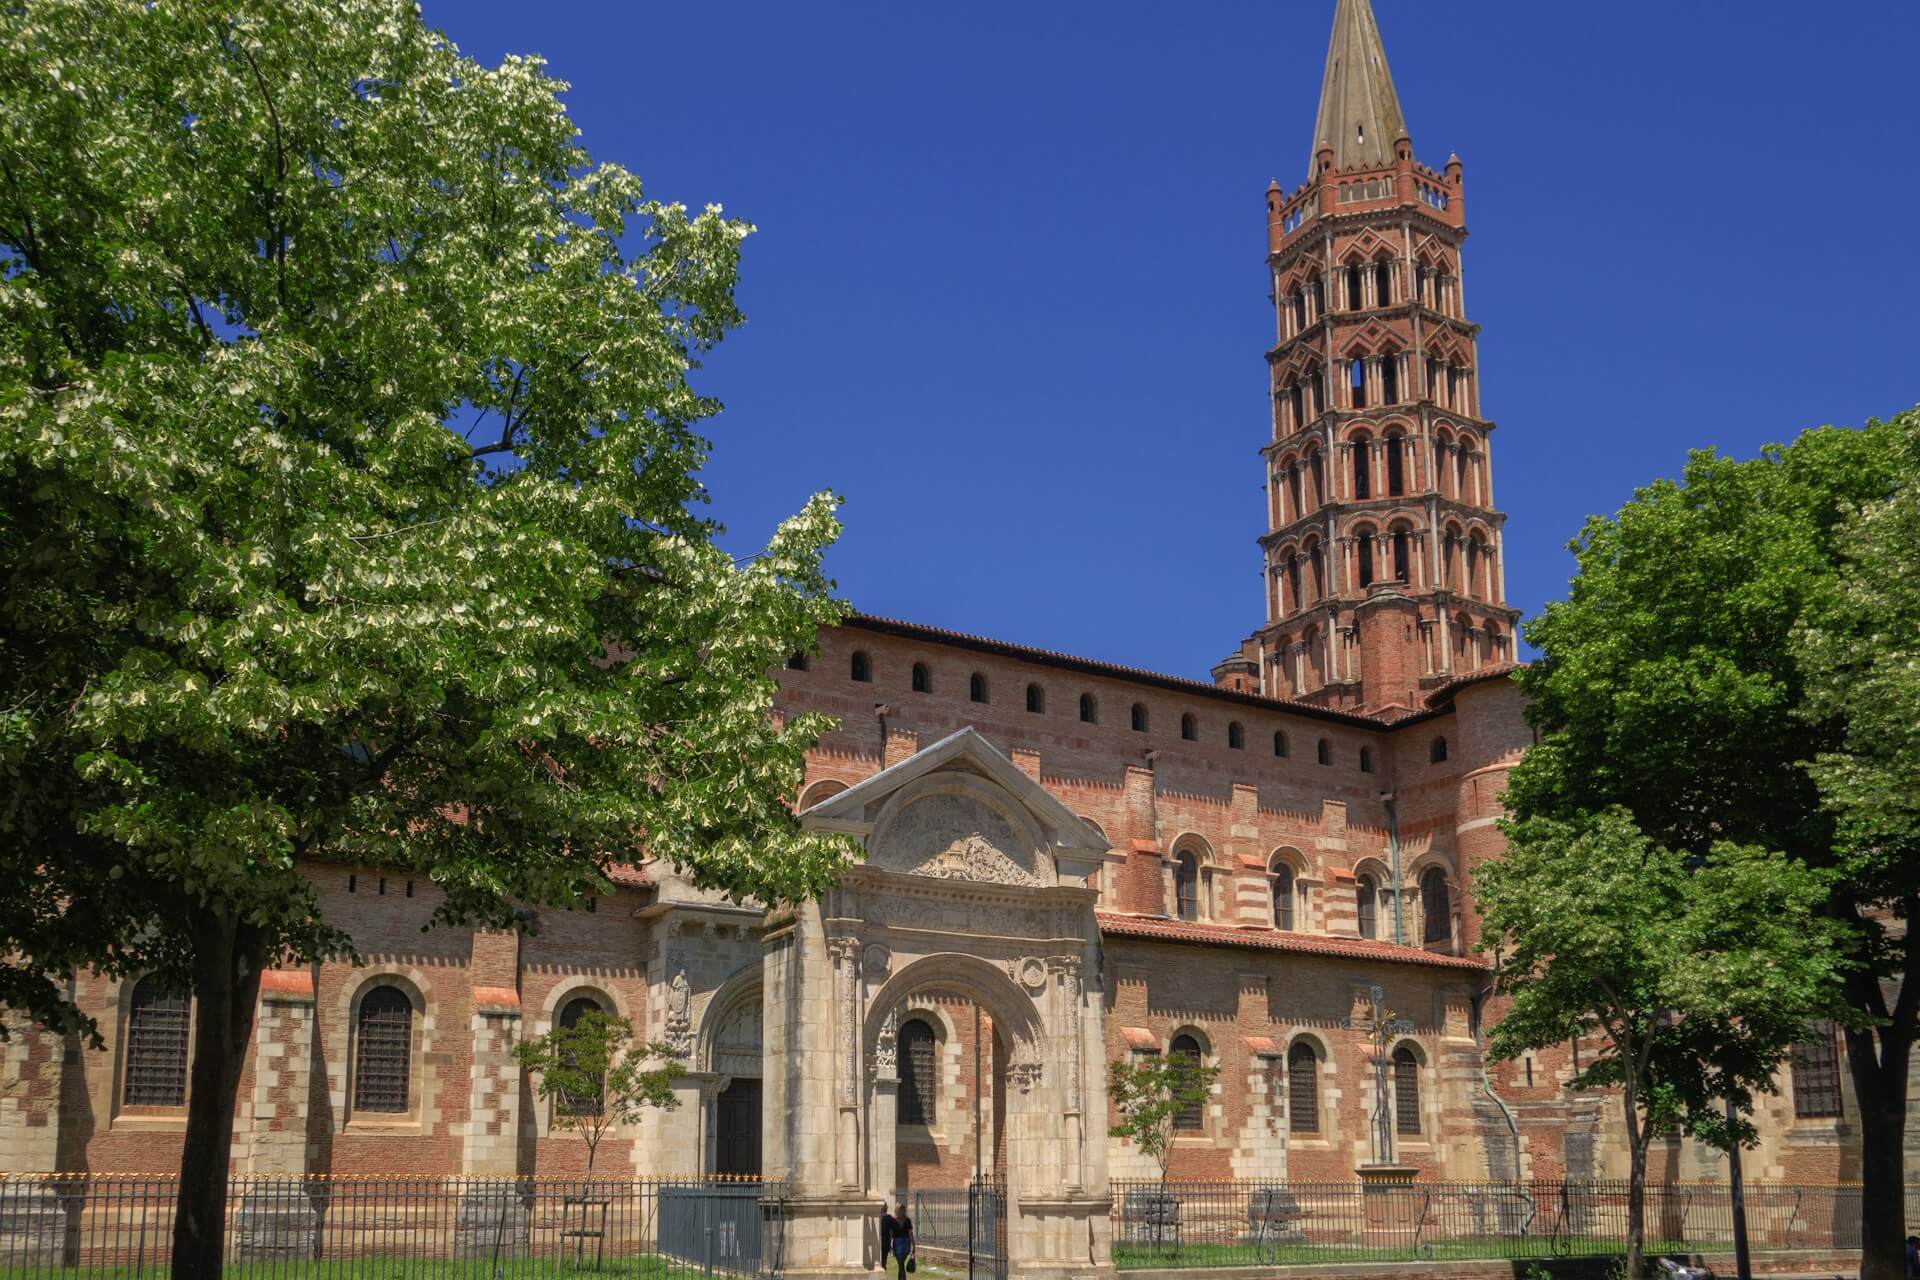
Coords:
1636,1185
1880,1088
226,984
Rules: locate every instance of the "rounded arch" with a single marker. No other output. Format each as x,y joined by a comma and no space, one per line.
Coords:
741,992
402,1079
1028,847
816,792
1092,825
566,991
980,980
1195,843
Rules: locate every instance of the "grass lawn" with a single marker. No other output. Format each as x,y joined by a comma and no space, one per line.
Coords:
1136,1257
642,1268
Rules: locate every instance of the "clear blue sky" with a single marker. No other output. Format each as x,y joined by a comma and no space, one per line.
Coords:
1007,295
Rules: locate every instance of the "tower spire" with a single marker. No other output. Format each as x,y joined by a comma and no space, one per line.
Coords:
1359,111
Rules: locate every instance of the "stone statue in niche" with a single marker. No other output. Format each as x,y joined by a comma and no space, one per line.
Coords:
955,837
679,1024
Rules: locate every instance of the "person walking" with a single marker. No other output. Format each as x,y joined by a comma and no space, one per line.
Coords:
896,1239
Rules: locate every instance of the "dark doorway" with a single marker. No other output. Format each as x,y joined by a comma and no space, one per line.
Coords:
736,1147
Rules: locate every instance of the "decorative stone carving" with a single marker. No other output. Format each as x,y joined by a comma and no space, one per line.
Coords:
846,953
885,1059
946,836
1024,1076
736,1043
679,1020
1030,973
876,961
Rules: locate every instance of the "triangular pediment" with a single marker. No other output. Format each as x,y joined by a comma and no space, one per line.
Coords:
960,810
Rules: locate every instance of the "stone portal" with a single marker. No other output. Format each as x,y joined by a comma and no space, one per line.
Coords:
975,883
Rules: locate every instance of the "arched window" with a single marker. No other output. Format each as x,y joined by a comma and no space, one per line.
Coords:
1293,583
1366,897
1315,563
1317,467
918,1078
1366,558
1356,298
1236,736
383,1051
1303,1088
1293,490
1323,751
1297,400
1437,751
1317,289
1189,727
976,687
1402,559
1366,759
1816,1074
1089,709
1436,904
1406,1092
1191,1117
586,1104
1382,283
922,678
1280,743
1390,379
156,1064
862,668
1283,891
1138,717
1186,886
1362,468
1475,547
799,662
1357,383
1299,299
1036,699
1396,466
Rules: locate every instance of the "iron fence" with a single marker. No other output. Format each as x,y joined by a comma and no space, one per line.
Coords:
1229,1224
402,1228
940,1218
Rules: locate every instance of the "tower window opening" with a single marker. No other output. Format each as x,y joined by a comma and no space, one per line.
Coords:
1355,302
1299,300
1319,572
1366,559
1390,379
1436,904
1382,283
1366,759
1280,743
862,668
1400,556
798,662
1236,736
1323,752
1139,717
1357,382
1191,1118
922,678
1186,887
1089,709
1318,291
1317,467
1189,728
1297,401
1366,895
1437,751
1283,897
1293,582
1036,699
1396,465
976,687
1363,469
1420,276
1293,489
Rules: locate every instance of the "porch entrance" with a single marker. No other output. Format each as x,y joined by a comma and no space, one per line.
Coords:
736,1148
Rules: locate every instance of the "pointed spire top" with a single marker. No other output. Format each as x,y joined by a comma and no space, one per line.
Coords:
1359,111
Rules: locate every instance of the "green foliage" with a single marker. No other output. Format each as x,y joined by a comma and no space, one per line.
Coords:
1859,649
345,432
1148,1095
1692,978
1691,981
595,1077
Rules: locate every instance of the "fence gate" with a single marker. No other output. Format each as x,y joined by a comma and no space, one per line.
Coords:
987,1231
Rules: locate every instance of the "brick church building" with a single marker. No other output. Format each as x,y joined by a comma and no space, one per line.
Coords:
1068,862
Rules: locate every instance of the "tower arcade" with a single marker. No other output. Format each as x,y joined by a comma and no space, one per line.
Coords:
1383,561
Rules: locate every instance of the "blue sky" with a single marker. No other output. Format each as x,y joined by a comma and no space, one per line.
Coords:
1007,296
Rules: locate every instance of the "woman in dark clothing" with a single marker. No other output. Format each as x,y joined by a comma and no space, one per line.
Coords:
896,1238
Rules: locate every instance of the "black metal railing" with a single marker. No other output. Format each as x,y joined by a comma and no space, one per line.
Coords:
1235,1224
308,1228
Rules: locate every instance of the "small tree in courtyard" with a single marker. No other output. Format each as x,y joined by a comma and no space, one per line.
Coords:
1149,1095
595,1077
1689,980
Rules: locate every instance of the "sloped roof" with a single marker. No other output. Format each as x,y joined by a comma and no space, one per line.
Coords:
1359,111
1161,929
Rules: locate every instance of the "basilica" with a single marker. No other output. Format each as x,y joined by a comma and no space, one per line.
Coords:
1067,863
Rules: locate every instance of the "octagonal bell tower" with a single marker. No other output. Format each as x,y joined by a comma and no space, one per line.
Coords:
1383,566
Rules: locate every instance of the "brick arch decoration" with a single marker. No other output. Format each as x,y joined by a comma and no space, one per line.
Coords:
815,792
572,988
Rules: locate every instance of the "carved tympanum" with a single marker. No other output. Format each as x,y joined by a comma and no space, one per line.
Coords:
955,837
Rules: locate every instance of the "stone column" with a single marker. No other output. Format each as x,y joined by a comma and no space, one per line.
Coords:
278,1218
883,1116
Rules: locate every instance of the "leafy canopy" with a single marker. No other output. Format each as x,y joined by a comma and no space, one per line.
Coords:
595,1077
1150,1093
1686,981
349,496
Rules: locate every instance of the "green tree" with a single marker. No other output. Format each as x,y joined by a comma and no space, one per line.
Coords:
349,509
1668,684
1691,978
594,1076
1149,1096
1859,650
